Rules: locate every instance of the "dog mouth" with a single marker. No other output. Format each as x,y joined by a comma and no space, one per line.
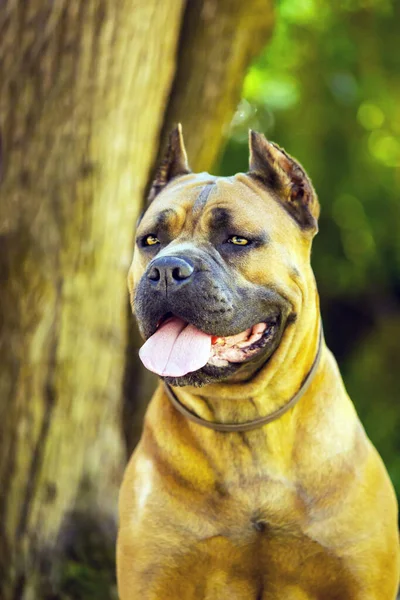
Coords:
178,347
244,346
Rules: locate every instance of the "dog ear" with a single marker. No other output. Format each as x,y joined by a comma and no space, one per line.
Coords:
279,172
174,163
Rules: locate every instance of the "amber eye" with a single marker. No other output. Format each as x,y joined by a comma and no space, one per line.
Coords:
150,240
238,241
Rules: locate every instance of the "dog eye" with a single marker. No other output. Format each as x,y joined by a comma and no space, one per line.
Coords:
238,241
150,240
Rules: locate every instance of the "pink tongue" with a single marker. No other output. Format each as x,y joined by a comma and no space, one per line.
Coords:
176,349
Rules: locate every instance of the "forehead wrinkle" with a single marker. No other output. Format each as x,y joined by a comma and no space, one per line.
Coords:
202,199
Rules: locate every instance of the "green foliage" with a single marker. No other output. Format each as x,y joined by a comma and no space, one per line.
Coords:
327,89
87,581
86,559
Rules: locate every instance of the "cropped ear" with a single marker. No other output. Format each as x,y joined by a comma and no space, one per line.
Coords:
174,163
279,172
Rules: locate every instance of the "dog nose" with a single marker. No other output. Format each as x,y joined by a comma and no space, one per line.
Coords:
170,270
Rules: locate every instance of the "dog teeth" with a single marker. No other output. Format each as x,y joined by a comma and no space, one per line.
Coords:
252,340
233,340
239,342
259,328
217,361
243,344
255,338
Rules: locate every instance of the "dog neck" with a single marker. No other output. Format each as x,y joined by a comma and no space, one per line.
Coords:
281,380
243,427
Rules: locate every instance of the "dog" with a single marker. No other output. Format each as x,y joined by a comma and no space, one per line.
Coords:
254,478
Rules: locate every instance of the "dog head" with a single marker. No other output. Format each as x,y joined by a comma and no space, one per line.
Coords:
221,266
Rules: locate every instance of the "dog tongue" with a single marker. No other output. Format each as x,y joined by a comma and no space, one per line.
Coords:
175,349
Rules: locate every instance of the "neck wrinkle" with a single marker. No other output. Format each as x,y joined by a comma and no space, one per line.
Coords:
273,386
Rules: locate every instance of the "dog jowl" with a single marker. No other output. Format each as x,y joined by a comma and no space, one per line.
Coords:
216,503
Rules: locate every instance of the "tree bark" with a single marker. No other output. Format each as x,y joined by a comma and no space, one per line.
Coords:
84,87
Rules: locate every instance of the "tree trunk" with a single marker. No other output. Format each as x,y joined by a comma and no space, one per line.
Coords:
83,99
218,40
74,77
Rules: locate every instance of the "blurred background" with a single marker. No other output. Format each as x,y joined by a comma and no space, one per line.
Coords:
89,90
327,89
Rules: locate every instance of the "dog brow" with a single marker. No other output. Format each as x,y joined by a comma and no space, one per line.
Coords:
221,218
163,218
